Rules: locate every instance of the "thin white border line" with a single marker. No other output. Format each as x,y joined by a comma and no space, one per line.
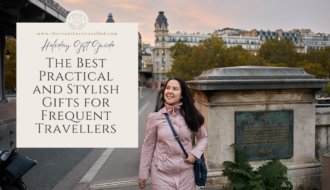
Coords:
115,184
88,177
143,108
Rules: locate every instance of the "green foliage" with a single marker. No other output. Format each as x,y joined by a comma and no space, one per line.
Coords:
189,62
226,187
313,69
181,67
278,51
270,176
327,89
180,48
10,64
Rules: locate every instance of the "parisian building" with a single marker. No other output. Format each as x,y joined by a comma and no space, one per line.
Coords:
316,42
145,67
233,37
161,52
303,40
313,41
164,40
229,32
279,34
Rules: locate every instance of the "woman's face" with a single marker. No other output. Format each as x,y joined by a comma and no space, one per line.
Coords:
172,94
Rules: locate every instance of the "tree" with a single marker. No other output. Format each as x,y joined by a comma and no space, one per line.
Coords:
181,68
180,48
321,56
313,68
211,53
10,64
327,89
278,51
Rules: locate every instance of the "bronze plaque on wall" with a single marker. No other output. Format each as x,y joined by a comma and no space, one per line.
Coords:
265,134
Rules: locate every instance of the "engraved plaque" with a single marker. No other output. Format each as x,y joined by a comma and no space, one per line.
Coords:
265,134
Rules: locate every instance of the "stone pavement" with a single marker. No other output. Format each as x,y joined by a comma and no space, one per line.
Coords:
8,111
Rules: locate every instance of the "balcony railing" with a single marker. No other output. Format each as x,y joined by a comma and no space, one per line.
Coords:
229,42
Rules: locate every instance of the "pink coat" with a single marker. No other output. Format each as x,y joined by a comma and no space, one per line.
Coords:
168,169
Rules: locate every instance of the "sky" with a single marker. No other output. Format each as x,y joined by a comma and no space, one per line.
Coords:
205,16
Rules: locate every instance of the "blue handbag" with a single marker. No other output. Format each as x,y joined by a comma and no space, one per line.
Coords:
199,166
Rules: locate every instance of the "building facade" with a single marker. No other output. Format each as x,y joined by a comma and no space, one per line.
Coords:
161,52
164,40
316,42
229,32
279,34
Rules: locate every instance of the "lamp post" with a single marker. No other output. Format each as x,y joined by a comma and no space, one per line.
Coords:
7,54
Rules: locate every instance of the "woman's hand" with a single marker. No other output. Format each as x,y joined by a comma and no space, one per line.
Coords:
142,183
191,159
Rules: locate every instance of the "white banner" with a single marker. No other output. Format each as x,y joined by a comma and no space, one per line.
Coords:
77,84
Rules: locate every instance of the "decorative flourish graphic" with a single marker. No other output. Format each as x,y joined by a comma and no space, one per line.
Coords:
263,151
265,117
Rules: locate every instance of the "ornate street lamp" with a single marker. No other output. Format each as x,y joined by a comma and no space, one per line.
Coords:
7,54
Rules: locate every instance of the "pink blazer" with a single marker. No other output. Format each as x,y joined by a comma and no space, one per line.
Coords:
161,151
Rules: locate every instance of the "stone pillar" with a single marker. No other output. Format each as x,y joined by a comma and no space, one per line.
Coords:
221,92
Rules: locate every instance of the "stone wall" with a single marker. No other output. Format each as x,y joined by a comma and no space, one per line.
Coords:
322,132
220,108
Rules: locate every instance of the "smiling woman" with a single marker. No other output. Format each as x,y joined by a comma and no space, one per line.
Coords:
173,93
170,168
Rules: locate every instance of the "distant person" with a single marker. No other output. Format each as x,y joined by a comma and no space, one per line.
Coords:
159,96
170,169
156,84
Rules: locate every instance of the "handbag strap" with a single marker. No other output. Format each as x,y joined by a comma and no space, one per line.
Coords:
175,135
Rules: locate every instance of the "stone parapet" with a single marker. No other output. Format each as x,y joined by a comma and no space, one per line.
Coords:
221,92
255,77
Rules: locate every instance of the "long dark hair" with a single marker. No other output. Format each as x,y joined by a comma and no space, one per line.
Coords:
192,116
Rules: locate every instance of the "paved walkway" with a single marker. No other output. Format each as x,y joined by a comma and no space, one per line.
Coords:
111,174
8,111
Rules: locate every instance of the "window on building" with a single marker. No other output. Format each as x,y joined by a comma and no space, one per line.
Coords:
163,77
163,38
163,59
157,38
157,59
157,76
163,44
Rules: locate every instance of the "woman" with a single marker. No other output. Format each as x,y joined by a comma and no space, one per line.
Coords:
170,169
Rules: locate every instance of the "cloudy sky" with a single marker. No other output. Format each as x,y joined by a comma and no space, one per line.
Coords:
206,15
